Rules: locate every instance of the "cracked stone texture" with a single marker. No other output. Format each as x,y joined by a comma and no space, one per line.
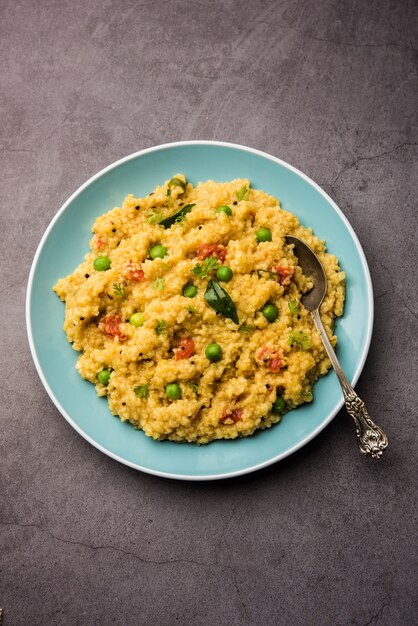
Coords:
325,537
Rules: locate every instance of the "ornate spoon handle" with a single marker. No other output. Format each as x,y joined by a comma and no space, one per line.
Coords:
371,438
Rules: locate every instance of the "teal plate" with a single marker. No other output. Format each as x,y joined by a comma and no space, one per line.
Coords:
64,245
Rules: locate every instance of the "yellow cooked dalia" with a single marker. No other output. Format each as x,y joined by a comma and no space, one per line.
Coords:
187,311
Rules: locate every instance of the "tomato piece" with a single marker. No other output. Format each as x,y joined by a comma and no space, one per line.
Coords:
285,274
231,416
237,415
276,364
186,348
272,357
110,326
262,354
136,273
211,249
99,243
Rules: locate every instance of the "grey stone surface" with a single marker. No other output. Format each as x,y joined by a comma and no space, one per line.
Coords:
325,537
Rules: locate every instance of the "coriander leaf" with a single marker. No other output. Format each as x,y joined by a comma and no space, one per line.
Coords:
161,327
198,270
169,221
191,309
195,388
306,395
242,194
175,182
119,292
154,217
293,306
246,329
159,284
141,391
208,266
220,301
299,339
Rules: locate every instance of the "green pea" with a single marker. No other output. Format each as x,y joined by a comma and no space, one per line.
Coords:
157,252
213,352
190,291
137,319
224,273
224,209
270,312
104,376
279,405
263,234
101,263
173,391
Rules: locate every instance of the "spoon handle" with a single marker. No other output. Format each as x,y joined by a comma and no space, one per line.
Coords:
371,438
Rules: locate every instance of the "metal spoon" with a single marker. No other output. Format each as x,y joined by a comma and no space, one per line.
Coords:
371,438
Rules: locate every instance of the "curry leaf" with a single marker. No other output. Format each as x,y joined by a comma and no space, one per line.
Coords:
180,215
220,301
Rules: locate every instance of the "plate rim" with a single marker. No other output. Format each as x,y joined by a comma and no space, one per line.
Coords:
191,477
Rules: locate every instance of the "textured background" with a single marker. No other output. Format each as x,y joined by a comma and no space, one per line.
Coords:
324,537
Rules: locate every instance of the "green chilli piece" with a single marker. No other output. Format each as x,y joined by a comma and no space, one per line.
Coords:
173,391
104,377
175,182
101,263
224,209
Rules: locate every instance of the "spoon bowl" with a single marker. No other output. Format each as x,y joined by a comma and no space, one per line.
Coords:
313,269
371,438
